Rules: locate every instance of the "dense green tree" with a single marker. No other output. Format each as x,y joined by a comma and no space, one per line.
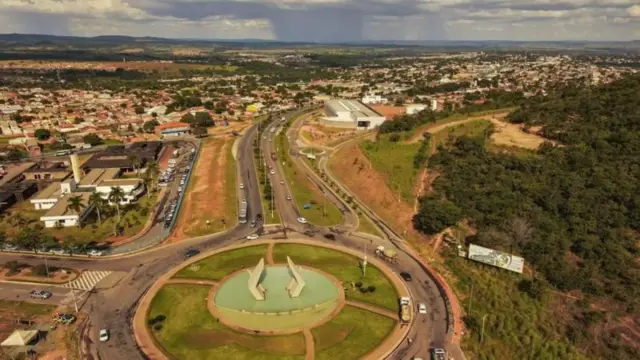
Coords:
93,139
435,215
42,134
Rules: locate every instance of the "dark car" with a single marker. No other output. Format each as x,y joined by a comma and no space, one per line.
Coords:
406,276
191,253
259,217
329,236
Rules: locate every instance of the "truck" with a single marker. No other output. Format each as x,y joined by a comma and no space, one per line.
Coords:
242,216
405,309
388,255
438,354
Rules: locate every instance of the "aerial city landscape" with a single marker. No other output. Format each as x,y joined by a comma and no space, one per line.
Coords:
295,197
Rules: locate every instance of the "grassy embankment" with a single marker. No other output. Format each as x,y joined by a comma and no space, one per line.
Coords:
322,212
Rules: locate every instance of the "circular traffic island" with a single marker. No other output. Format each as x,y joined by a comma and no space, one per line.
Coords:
289,300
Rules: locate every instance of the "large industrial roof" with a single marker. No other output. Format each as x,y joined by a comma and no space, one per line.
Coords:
352,106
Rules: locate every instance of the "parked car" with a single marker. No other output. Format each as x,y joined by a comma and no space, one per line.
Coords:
104,335
60,252
64,319
253,224
252,237
406,276
259,216
10,247
329,236
191,253
302,220
180,189
40,294
95,252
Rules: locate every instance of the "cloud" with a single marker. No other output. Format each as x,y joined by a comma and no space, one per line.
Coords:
329,20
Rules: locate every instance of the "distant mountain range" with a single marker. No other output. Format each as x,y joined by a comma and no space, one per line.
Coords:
18,40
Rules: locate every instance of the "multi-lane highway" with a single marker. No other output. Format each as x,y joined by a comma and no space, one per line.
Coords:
113,303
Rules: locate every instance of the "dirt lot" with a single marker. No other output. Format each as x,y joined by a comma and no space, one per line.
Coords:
316,135
507,134
434,128
370,187
205,199
10,311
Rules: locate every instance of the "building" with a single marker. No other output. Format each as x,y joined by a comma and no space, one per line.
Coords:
173,129
350,114
132,189
121,157
32,147
59,215
415,108
373,99
11,193
48,171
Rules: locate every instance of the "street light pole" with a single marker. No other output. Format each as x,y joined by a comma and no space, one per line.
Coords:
482,331
470,298
46,266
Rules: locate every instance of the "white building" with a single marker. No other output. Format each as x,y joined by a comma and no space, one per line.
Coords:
350,114
132,189
414,108
59,215
373,99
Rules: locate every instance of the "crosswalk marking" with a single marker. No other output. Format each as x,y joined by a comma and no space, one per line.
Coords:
87,280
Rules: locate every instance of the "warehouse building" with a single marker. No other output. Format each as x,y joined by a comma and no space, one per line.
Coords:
350,114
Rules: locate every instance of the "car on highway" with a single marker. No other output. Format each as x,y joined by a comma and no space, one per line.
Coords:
95,252
438,354
258,216
244,201
406,276
40,294
253,237
302,220
281,182
253,224
104,335
272,172
241,186
422,309
289,197
191,253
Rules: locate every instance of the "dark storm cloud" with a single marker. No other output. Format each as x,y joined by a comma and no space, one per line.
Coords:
325,22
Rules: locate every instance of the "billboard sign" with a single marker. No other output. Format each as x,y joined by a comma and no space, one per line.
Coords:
496,258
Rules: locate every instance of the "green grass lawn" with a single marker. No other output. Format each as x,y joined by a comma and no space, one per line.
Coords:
517,326
216,267
351,334
344,267
191,332
322,212
394,160
473,129
366,226
134,217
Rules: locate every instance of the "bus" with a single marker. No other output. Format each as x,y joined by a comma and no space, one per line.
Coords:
243,212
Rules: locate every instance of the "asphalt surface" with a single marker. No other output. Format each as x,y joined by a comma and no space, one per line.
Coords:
20,292
113,303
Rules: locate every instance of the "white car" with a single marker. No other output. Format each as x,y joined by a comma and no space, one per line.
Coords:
241,186
180,189
252,237
289,197
272,172
281,182
302,220
95,253
422,309
104,335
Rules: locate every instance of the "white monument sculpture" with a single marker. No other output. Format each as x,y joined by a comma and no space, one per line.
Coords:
297,282
256,289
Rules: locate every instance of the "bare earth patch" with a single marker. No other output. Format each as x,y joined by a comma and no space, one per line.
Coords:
370,187
205,196
507,134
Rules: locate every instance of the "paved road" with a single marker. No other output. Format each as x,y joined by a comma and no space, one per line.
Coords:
114,302
20,292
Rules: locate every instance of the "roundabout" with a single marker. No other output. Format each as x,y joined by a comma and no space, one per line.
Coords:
273,300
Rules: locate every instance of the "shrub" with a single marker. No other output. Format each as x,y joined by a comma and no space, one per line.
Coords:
364,289
157,327
359,284
13,266
371,288
39,270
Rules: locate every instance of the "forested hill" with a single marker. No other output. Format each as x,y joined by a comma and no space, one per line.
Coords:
572,211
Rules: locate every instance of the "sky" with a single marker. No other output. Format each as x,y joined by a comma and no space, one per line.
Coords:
329,20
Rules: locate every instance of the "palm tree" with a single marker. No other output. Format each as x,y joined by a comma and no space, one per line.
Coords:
146,178
135,161
97,201
153,169
115,196
75,204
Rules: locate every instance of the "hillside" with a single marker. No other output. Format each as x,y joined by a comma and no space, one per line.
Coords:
572,211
